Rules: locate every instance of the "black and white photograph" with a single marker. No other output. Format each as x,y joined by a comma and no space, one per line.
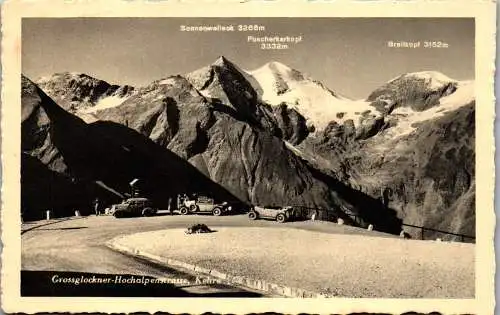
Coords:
248,157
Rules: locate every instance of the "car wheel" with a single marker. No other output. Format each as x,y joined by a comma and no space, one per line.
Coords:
147,212
184,210
193,208
280,218
252,215
118,214
217,211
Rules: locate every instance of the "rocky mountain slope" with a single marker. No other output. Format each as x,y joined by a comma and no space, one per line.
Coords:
418,156
45,180
274,136
83,94
68,162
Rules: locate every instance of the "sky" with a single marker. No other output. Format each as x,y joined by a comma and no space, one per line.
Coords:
351,56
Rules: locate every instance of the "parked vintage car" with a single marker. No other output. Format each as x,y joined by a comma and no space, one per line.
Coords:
134,207
280,214
204,204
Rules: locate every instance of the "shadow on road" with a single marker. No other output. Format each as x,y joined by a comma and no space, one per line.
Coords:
63,228
38,226
61,284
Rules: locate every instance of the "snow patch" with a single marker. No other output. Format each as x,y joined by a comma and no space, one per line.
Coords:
292,148
88,117
299,152
277,67
159,97
44,79
406,117
169,81
463,95
105,103
205,93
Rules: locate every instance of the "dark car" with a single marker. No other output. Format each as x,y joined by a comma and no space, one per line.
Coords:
280,214
204,204
134,207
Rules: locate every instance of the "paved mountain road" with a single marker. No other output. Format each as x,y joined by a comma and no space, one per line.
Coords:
62,247
78,246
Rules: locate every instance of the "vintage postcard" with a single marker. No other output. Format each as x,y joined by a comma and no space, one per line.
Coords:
286,156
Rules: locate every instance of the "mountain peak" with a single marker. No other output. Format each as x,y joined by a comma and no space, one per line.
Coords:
65,76
222,61
25,78
434,79
274,67
278,66
433,76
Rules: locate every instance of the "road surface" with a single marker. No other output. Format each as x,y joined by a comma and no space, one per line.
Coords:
75,247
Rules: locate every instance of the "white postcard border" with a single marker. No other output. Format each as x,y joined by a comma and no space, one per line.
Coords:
13,11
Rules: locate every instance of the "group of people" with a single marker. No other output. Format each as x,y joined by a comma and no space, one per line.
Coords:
178,202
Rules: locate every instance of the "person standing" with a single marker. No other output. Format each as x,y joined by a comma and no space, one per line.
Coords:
170,205
96,206
314,215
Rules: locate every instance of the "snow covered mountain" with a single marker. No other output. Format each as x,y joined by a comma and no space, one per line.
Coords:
275,135
402,101
407,119
432,79
418,155
414,98
83,94
277,83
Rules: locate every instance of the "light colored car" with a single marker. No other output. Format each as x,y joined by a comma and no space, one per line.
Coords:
134,207
203,204
280,214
